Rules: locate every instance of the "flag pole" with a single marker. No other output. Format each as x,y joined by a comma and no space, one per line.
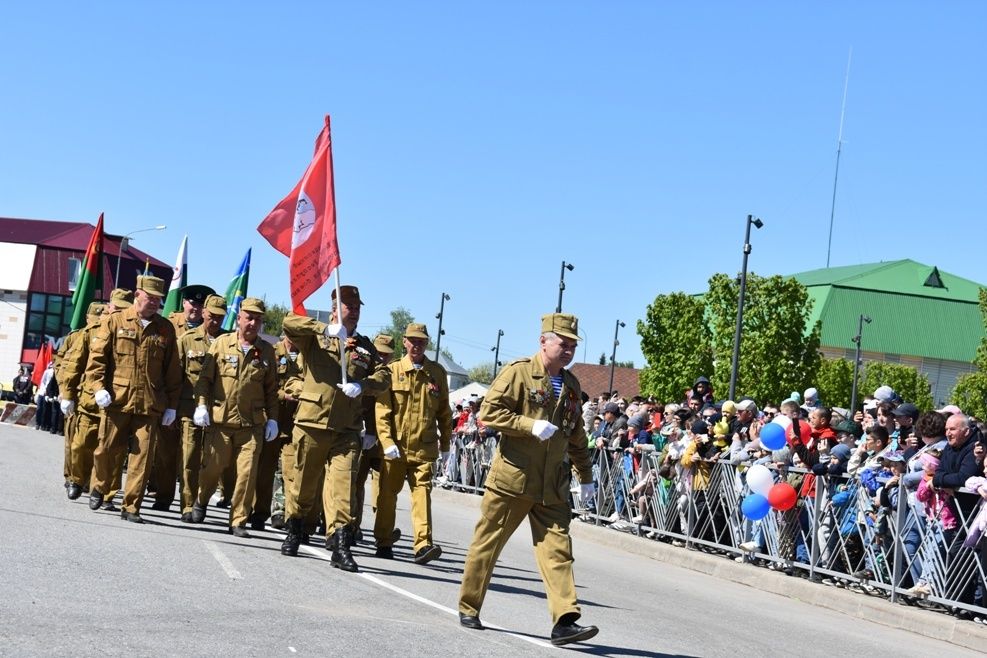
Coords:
339,318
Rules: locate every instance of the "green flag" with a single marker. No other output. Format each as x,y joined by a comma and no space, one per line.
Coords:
90,277
179,279
236,292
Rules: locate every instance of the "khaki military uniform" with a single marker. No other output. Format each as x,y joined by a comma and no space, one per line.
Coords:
169,452
289,386
192,349
327,423
64,352
138,365
369,459
241,391
414,416
529,478
82,428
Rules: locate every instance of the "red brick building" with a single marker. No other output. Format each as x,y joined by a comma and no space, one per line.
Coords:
595,379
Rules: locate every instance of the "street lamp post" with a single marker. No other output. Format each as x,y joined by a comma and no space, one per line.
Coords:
565,266
856,363
125,244
496,351
613,357
438,338
740,304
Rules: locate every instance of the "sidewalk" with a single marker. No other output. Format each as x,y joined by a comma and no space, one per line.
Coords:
931,624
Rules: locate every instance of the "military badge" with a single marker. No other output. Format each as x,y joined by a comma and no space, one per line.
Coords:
538,396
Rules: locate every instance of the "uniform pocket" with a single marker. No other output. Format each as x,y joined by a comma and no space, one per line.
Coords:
508,474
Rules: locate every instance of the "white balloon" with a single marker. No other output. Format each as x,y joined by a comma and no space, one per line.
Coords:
782,420
759,479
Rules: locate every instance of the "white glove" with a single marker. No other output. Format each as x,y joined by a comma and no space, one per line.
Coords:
543,429
368,441
350,389
201,416
335,331
587,492
167,418
392,452
444,456
68,407
103,398
271,430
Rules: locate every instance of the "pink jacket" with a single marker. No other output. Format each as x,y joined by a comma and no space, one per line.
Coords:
937,504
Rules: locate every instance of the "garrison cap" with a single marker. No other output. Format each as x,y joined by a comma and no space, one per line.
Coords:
384,343
197,293
95,308
562,324
122,298
416,330
253,305
152,285
215,305
350,295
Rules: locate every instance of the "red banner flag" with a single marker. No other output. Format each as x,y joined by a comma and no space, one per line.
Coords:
41,363
303,225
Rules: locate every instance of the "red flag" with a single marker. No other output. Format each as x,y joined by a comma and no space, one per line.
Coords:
303,225
41,363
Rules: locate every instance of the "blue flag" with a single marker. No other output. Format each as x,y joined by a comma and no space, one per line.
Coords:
236,292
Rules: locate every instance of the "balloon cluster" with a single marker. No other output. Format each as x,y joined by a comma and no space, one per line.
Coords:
765,494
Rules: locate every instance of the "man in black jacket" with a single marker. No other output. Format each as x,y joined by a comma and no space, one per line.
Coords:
956,465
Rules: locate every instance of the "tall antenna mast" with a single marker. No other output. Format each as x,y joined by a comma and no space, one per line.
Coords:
839,150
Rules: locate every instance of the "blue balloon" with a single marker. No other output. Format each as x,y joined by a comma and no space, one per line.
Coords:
773,436
755,507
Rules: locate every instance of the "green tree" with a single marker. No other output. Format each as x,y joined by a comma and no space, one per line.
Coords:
777,355
906,381
676,344
482,373
970,392
835,382
400,319
603,358
274,318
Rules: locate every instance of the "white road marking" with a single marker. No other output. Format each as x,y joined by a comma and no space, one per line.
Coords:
292,649
224,561
322,555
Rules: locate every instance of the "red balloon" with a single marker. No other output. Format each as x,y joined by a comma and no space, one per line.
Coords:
805,432
782,496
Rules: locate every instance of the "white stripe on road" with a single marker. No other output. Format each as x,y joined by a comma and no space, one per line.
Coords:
223,560
316,553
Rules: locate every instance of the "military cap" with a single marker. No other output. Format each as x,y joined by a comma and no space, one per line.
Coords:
350,295
122,298
384,343
416,330
253,305
151,285
95,308
561,324
215,305
197,293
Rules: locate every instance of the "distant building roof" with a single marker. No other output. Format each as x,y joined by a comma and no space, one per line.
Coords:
915,309
595,379
451,366
72,236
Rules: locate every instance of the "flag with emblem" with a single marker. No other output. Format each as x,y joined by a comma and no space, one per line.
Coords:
303,225
90,277
236,292
179,279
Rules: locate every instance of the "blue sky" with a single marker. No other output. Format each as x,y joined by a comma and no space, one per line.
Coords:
477,145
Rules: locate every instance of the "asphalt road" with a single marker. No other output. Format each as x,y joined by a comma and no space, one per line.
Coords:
83,583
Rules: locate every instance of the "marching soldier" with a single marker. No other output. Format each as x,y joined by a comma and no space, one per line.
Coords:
82,421
237,395
328,420
192,350
169,451
414,425
269,472
535,404
370,455
133,367
120,299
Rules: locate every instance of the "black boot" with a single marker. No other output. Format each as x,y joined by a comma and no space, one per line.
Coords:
341,557
293,538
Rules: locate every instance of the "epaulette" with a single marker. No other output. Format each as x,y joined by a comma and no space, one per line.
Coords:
526,359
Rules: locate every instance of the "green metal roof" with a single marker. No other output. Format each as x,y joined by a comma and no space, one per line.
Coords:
909,317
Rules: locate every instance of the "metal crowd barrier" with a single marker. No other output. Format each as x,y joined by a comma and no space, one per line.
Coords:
836,535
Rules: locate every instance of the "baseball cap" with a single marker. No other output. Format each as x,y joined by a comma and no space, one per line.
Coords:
906,409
